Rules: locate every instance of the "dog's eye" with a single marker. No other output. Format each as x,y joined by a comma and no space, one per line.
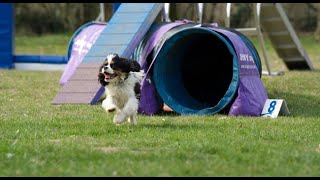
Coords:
112,65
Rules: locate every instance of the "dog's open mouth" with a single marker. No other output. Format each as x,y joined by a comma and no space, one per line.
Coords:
108,76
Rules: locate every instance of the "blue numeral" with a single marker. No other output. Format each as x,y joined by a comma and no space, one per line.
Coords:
271,107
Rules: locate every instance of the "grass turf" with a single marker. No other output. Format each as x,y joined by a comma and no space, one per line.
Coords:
41,139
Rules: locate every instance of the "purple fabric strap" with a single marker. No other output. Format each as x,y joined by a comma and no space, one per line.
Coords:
153,40
251,92
150,103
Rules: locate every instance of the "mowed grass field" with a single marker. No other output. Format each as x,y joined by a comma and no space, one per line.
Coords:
41,139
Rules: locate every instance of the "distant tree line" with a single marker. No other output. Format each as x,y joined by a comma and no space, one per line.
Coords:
40,18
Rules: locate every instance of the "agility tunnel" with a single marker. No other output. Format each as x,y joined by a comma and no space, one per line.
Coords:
199,69
193,68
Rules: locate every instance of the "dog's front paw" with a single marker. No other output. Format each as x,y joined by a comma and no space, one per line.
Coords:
108,106
132,120
119,118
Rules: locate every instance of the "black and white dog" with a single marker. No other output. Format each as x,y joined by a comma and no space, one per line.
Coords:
121,78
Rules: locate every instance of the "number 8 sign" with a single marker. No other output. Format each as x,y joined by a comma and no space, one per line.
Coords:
273,107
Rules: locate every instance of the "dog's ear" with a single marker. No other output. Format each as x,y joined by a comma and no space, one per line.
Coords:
129,65
135,66
101,79
100,68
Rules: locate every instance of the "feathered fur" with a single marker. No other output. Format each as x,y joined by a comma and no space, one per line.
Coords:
121,78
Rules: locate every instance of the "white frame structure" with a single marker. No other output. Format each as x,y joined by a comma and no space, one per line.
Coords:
101,16
254,31
166,12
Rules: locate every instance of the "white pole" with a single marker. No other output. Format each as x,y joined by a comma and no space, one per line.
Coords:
166,13
227,20
102,12
101,16
200,11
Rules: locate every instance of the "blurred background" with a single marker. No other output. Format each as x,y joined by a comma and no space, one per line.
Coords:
40,25
42,18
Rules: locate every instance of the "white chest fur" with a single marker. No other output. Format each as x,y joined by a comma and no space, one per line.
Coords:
120,93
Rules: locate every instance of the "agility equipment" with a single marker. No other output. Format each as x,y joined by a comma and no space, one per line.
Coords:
194,68
272,19
9,60
283,37
200,69
123,33
6,35
79,45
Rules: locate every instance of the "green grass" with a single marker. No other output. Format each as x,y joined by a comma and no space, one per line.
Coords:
51,44
41,139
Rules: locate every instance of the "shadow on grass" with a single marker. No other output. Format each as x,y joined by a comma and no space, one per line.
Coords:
167,125
168,113
299,105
